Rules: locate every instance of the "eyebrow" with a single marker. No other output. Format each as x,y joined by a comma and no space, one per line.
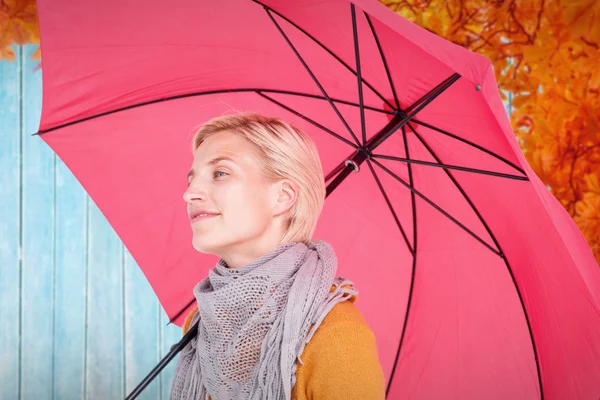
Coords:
214,161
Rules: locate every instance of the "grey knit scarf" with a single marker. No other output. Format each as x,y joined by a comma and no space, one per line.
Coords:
255,322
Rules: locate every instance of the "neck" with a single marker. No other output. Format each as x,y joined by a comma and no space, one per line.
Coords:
247,252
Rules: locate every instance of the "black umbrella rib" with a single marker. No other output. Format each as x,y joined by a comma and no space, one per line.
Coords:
385,64
348,67
391,207
487,228
414,266
307,119
440,88
491,153
314,96
221,91
188,305
358,75
312,75
450,217
418,106
447,166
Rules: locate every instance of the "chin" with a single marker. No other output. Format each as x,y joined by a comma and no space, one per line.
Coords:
206,246
202,247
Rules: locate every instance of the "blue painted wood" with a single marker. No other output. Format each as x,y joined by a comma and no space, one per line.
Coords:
10,130
38,216
170,334
141,329
78,319
105,352
70,285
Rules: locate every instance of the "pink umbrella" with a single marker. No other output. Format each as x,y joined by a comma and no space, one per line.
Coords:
474,278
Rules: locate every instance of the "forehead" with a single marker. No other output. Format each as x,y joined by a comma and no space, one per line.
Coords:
225,144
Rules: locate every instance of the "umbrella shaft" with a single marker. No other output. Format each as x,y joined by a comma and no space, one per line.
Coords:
352,165
163,363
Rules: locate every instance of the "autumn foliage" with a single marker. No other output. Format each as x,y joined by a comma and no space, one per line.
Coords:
546,56
18,25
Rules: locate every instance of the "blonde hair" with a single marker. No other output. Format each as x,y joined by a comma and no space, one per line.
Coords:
285,152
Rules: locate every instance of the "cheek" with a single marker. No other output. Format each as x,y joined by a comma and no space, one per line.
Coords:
248,207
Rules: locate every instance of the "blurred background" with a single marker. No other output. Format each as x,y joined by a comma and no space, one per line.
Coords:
77,317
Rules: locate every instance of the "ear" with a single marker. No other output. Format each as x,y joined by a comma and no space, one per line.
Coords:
286,196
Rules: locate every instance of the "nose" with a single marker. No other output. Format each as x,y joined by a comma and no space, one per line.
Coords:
193,193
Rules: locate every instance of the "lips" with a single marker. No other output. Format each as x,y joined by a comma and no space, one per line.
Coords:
199,214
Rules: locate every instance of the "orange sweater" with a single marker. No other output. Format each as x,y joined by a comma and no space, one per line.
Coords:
340,361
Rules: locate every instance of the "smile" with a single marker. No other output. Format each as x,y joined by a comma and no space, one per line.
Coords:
202,217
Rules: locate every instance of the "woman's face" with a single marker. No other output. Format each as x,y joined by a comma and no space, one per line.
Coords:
239,207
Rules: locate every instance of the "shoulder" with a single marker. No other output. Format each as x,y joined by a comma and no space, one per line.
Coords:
343,329
188,320
344,313
341,354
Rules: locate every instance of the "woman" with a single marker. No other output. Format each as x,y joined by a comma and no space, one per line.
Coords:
275,323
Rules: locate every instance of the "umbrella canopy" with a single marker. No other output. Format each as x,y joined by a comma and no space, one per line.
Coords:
475,280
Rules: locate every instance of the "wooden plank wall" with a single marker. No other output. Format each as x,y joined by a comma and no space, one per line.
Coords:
78,320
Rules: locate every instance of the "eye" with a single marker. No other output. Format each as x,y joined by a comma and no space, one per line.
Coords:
216,174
